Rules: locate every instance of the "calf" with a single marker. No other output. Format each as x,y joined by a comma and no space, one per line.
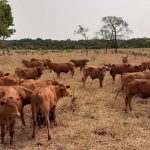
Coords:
31,64
62,67
46,62
137,87
23,95
94,73
125,59
29,73
127,77
8,114
123,68
10,80
32,84
79,63
45,100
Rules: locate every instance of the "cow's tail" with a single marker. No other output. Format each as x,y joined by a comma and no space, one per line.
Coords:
83,76
34,106
115,100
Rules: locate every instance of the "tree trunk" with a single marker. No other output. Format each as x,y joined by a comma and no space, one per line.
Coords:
106,47
116,47
86,46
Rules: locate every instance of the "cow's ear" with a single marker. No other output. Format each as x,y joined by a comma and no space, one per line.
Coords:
136,66
68,86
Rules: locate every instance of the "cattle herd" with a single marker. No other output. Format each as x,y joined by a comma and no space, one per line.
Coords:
25,88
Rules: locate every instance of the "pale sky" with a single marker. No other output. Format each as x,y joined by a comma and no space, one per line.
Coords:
57,19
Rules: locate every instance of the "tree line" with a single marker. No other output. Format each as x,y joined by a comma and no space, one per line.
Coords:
112,34
40,44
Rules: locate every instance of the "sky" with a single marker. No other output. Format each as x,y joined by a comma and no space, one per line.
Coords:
58,19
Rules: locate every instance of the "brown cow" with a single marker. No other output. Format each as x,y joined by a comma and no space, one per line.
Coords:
123,68
29,73
32,84
125,59
24,97
31,64
146,65
137,87
127,77
79,63
10,80
8,114
62,67
45,61
45,100
29,84
94,73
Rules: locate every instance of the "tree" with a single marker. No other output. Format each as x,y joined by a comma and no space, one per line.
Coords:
105,36
83,31
6,20
114,29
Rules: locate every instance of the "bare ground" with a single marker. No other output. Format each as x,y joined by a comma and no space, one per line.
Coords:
91,122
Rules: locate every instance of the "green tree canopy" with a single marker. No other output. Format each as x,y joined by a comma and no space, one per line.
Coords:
6,20
113,29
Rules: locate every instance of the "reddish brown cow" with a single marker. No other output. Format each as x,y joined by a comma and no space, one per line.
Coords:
45,61
9,102
79,63
127,77
145,65
32,84
125,59
29,73
23,96
94,73
31,64
62,67
29,84
123,68
137,87
45,100
10,80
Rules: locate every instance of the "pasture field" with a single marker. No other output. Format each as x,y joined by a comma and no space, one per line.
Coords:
90,122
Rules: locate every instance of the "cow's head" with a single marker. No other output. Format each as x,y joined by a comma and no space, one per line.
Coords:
40,70
61,90
102,70
10,106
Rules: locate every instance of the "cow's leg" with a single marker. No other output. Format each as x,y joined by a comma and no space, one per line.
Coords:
2,133
39,119
129,99
46,114
81,69
54,116
11,131
72,73
128,102
34,115
113,77
84,79
22,117
58,75
100,82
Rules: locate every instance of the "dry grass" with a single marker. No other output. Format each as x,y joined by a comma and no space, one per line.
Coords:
90,122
